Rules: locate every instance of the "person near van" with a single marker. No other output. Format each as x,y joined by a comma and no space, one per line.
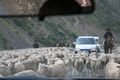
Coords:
108,46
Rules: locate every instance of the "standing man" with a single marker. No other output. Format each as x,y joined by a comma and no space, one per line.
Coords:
108,41
35,44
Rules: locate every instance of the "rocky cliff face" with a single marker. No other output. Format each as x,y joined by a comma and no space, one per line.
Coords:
20,6
21,32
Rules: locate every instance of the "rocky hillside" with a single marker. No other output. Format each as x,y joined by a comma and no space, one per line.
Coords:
21,32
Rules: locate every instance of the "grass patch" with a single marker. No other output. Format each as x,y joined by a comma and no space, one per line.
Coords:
22,23
3,42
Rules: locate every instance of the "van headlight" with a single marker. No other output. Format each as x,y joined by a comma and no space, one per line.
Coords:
77,49
93,50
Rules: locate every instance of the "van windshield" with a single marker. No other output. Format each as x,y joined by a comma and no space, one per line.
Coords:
85,41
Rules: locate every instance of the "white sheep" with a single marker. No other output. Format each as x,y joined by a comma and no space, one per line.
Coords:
5,70
30,64
6,57
26,73
40,59
32,56
99,67
93,64
79,64
18,67
11,66
103,57
117,58
3,62
57,61
12,60
112,70
43,70
67,61
51,61
59,69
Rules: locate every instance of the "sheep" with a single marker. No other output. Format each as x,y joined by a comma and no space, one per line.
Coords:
26,73
54,58
117,58
51,55
30,64
5,70
77,67
59,55
41,59
103,58
112,70
117,50
32,56
11,65
22,58
3,62
43,70
18,67
12,60
67,61
93,64
15,56
84,56
79,64
51,61
6,57
56,70
99,67
60,67
68,64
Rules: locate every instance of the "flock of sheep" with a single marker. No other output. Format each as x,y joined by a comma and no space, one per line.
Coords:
59,62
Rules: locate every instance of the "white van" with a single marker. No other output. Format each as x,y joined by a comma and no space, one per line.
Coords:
87,43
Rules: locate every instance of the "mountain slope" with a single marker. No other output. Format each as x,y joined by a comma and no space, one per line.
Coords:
21,32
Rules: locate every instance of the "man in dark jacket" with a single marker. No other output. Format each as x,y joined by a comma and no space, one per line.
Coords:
107,46
35,44
108,33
